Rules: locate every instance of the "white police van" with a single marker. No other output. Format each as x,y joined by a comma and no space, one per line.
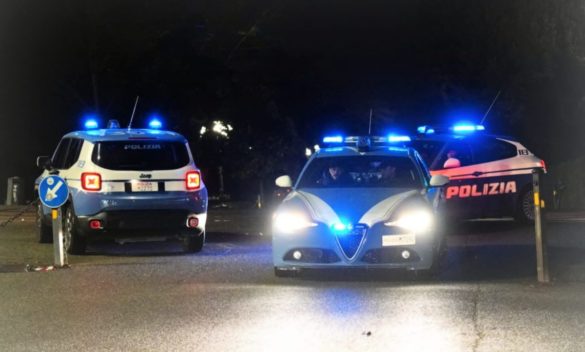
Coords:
490,175
126,184
363,203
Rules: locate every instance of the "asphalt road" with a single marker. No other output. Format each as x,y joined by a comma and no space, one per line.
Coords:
152,297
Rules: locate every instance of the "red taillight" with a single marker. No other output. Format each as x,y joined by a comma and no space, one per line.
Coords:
95,224
192,222
193,180
543,165
91,181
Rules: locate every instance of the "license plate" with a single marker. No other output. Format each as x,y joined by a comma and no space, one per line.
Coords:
142,186
398,240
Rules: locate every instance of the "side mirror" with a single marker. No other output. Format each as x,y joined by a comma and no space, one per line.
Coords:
44,162
284,181
439,180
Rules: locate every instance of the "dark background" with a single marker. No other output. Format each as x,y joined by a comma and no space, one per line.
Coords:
285,72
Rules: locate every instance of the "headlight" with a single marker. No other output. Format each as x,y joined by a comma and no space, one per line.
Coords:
419,220
291,222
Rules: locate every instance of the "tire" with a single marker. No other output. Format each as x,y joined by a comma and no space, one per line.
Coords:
525,208
194,244
439,261
44,232
73,243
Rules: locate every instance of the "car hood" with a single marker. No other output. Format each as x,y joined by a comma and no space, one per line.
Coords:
364,206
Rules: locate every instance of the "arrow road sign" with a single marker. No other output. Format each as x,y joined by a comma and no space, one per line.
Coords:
53,191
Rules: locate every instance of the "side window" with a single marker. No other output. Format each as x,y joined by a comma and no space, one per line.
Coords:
67,153
455,154
73,152
59,157
486,150
422,166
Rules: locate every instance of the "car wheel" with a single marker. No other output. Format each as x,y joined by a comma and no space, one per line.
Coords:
194,244
73,243
44,232
525,210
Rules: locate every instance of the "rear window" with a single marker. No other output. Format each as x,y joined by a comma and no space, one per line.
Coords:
140,155
361,172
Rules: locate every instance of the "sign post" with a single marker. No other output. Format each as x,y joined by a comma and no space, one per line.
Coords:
53,193
541,255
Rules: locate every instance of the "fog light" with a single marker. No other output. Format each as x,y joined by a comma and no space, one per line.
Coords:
192,222
95,224
297,255
405,254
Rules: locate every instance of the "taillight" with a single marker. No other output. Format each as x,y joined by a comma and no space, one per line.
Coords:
91,181
95,224
193,180
543,165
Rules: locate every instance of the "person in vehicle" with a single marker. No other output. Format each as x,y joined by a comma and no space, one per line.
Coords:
334,175
452,160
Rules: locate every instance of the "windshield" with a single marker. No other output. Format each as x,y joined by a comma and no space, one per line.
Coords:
428,150
360,172
140,155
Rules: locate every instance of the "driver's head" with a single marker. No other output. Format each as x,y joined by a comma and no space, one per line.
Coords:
335,171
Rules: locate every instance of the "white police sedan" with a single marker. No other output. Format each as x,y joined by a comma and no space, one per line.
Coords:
360,202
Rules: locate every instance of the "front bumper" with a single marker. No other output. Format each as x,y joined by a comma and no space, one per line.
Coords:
319,249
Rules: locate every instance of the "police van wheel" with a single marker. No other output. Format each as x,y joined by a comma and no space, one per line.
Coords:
73,243
44,232
525,211
194,244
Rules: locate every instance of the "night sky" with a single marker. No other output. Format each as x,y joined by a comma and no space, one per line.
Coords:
285,72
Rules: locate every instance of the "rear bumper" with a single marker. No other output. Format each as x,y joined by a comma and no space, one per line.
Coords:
141,223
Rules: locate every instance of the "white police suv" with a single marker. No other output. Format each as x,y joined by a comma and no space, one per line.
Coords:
360,202
490,176
126,184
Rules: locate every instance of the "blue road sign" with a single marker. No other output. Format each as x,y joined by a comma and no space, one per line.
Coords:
53,191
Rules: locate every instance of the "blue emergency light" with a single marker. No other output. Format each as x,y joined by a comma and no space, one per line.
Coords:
341,228
425,129
468,128
397,138
155,124
333,139
91,124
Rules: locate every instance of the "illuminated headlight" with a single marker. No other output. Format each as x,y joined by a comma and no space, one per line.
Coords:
291,222
415,220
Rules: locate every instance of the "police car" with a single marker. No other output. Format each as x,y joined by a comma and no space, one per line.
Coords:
490,175
359,202
126,184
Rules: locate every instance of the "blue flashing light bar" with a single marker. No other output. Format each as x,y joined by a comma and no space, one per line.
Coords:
91,124
155,124
333,139
468,128
397,139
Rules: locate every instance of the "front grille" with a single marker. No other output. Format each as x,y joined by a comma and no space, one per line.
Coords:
350,242
389,255
312,255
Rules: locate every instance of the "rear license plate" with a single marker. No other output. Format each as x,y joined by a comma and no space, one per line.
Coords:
398,240
141,186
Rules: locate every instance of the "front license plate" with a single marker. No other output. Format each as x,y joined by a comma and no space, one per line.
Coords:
398,240
142,186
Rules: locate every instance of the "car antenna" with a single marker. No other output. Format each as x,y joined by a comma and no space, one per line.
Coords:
370,127
133,111
490,108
